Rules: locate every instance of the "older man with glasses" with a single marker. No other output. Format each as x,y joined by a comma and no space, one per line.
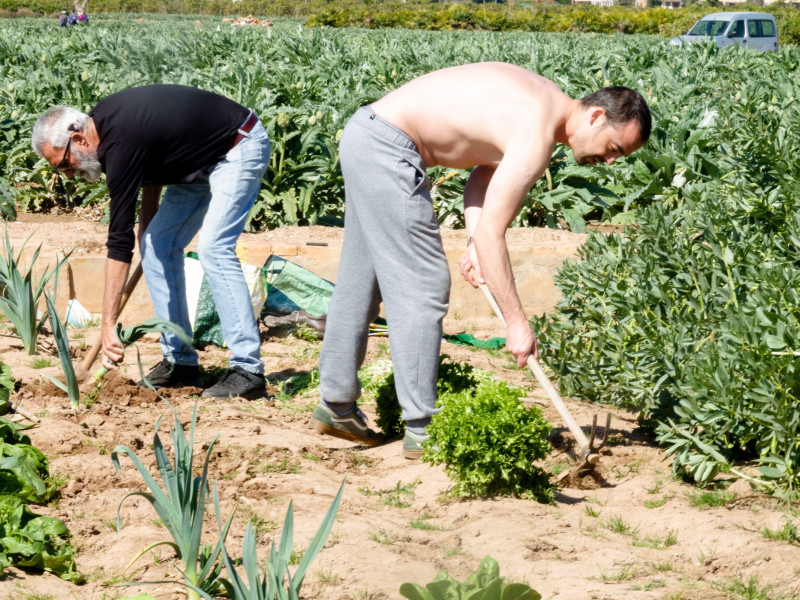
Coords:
212,154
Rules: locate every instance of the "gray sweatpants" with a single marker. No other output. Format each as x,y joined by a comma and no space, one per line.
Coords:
392,251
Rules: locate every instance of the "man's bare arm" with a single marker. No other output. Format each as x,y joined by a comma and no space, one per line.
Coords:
116,276
151,195
507,189
474,196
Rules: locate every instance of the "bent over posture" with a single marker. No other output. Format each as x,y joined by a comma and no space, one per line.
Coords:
504,121
212,153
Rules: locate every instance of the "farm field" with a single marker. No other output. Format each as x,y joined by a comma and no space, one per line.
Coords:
690,319
305,83
641,534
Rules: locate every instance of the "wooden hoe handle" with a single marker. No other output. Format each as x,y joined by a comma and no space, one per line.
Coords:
541,377
91,356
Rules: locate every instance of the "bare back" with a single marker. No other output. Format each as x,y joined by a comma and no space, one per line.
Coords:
471,115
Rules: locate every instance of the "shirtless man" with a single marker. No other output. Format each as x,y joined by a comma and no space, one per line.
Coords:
504,121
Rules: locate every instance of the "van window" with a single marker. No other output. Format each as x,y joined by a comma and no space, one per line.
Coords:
708,28
761,28
737,30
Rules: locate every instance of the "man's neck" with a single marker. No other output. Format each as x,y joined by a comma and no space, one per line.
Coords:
91,133
565,128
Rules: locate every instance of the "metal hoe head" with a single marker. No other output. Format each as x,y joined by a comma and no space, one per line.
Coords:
590,454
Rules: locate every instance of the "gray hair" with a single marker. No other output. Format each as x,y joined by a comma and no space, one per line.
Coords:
55,127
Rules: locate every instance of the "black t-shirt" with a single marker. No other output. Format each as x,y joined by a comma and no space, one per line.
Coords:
157,135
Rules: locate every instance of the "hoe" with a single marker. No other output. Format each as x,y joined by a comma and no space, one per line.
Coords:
588,448
82,370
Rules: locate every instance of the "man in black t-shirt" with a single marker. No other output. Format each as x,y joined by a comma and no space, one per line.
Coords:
211,153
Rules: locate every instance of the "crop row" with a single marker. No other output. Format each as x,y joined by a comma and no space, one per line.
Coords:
304,84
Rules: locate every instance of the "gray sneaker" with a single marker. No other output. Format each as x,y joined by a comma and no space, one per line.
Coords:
349,426
412,445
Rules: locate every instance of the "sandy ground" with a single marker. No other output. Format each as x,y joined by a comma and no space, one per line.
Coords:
81,232
635,535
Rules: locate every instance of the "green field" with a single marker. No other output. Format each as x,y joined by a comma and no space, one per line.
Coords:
692,317
304,83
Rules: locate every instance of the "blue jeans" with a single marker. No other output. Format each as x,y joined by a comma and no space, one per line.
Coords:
220,205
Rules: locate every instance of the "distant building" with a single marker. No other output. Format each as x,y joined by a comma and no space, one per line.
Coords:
600,2
758,2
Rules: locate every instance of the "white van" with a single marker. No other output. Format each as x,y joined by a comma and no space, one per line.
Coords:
753,30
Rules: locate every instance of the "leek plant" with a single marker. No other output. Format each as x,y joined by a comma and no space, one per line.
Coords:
71,386
131,335
127,336
20,292
181,504
274,581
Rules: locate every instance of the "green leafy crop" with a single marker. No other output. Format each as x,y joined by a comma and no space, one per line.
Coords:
453,377
23,468
488,442
484,584
26,539
34,541
6,386
274,581
180,503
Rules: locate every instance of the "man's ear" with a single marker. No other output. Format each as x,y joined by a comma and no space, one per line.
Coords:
79,138
597,115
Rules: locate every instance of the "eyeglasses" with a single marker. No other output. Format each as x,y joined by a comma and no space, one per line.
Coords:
64,164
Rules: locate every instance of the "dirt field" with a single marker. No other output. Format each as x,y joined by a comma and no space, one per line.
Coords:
640,534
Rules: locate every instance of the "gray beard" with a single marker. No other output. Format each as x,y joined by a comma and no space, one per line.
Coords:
89,167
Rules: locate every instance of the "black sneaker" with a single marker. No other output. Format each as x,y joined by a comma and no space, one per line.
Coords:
171,375
236,382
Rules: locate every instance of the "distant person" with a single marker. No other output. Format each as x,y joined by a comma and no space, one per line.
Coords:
73,18
211,152
83,18
63,19
498,118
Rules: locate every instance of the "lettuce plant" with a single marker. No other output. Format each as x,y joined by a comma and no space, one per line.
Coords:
6,386
453,377
485,584
23,467
488,441
34,541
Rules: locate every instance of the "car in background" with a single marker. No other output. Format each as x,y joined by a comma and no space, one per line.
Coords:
753,30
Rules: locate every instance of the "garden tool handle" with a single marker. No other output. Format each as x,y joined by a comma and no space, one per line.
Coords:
133,280
543,380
